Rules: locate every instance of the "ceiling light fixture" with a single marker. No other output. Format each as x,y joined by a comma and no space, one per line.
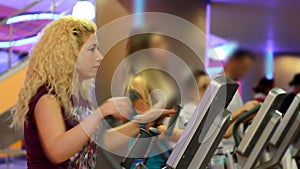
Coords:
84,9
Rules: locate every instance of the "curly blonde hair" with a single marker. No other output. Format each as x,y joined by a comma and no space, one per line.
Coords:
52,63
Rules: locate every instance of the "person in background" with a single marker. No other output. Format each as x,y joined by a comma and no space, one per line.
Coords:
262,89
202,80
150,87
295,83
236,67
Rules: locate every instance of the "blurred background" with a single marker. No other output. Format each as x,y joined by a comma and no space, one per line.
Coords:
270,29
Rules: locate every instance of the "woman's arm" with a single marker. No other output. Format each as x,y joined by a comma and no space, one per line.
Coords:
59,144
175,135
229,131
116,137
236,114
248,106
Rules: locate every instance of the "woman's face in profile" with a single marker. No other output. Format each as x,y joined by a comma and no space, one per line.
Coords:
89,59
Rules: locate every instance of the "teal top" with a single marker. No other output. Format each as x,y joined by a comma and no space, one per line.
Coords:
155,161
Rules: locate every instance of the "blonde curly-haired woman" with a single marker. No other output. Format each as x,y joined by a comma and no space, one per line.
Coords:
55,138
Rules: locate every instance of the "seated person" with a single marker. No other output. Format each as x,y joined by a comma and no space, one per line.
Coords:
145,100
202,80
262,89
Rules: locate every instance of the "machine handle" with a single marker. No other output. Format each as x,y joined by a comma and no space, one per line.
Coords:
240,119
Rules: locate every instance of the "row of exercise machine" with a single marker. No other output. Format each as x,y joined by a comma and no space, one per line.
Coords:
266,141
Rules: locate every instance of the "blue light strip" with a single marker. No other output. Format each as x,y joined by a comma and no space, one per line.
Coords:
208,21
269,64
31,17
139,7
269,60
20,42
23,18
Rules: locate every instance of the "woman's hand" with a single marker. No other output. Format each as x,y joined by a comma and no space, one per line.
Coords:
250,105
247,106
152,114
168,112
118,107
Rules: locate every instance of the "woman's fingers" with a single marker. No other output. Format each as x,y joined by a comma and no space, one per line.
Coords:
119,107
153,114
169,112
148,116
250,104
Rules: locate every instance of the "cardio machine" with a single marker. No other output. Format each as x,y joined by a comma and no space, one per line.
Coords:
206,127
204,131
258,135
283,136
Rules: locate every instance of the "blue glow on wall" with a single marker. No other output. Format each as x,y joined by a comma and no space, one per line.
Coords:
214,70
222,52
139,7
269,64
269,59
208,20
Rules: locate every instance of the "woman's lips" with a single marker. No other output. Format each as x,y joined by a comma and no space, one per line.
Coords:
97,67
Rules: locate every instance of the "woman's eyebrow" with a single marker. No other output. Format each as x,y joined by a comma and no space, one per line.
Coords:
92,45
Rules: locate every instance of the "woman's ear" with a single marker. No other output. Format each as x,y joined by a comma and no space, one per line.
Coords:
75,31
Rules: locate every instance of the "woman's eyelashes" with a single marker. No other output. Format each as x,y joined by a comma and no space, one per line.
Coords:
93,48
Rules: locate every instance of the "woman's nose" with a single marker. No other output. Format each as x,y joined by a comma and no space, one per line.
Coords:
99,56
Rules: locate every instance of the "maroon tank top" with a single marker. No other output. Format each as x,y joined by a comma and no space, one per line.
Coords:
36,158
